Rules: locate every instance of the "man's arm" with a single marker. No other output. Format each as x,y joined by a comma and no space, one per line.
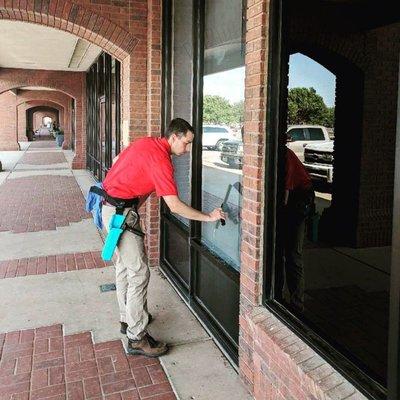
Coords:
177,206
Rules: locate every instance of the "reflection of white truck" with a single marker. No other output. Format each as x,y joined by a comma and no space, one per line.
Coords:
214,136
318,160
299,136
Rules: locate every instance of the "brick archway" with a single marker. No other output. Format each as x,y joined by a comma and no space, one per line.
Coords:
86,22
36,114
79,19
60,101
35,104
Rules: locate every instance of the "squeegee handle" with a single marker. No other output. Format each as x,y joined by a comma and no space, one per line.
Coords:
222,220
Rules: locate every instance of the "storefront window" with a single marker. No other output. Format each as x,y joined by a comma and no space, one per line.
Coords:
223,97
182,90
334,215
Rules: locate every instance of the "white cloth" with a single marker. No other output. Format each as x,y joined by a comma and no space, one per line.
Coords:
132,279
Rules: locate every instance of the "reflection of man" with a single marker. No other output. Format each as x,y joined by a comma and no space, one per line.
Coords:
142,168
299,197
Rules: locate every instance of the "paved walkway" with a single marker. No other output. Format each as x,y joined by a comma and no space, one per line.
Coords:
59,333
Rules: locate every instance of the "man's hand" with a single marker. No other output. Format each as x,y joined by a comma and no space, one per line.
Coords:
216,215
179,207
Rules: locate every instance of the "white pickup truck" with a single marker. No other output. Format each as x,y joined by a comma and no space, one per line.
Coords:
299,136
318,160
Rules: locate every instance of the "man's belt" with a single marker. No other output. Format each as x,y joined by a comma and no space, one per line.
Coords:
119,204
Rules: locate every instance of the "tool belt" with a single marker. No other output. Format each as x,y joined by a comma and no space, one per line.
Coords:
119,222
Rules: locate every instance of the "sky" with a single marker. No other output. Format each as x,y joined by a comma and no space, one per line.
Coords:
303,72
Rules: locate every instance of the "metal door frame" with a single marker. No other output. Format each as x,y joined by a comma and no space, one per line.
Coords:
227,344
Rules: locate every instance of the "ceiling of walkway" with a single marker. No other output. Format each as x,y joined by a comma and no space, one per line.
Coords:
31,46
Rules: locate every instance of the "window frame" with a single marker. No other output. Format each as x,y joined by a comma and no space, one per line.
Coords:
197,250
339,358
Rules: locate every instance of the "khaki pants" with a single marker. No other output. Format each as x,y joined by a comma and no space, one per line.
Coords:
132,279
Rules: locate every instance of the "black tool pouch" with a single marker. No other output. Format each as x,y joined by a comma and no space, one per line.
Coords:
131,222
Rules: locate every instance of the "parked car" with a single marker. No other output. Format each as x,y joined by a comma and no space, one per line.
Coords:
299,136
214,136
318,160
232,153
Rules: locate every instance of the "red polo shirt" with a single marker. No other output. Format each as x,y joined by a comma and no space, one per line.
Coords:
144,167
296,176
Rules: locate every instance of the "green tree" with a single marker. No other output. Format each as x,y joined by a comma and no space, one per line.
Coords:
305,106
217,110
238,112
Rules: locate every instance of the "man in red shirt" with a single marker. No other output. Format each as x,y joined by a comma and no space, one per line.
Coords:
144,167
299,197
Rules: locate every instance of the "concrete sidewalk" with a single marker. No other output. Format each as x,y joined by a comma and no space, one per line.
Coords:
59,334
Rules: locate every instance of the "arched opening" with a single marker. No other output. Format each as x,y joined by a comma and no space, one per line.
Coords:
85,45
36,127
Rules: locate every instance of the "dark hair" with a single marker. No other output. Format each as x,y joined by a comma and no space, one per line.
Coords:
178,126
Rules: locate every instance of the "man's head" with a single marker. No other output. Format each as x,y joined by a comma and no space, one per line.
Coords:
180,135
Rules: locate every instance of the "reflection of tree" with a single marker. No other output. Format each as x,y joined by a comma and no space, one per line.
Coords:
305,106
218,110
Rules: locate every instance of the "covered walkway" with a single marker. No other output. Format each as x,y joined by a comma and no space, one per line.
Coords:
59,336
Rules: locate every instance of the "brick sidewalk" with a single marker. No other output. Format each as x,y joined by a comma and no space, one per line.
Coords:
45,157
51,264
43,145
38,203
43,364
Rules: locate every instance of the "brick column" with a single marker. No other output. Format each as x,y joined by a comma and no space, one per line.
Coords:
253,179
8,121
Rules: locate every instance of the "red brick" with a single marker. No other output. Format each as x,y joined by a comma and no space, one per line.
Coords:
153,390
157,373
119,386
24,364
75,391
40,379
56,375
15,388
105,365
92,387
14,379
142,377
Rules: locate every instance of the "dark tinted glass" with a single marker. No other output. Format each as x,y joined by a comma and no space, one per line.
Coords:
334,249
296,134
316,134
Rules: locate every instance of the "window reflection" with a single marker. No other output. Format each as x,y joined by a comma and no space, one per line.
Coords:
222,141
333,273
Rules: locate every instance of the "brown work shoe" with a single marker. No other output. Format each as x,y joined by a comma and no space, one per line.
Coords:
124,325
147,346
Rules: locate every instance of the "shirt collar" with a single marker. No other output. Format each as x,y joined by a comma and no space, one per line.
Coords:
165,144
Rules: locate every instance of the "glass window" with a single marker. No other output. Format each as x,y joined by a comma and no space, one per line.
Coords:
334,266
223,96
113,110
316,134
182,72
296,134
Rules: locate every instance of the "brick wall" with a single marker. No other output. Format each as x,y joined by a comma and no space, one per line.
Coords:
8,129
253,178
